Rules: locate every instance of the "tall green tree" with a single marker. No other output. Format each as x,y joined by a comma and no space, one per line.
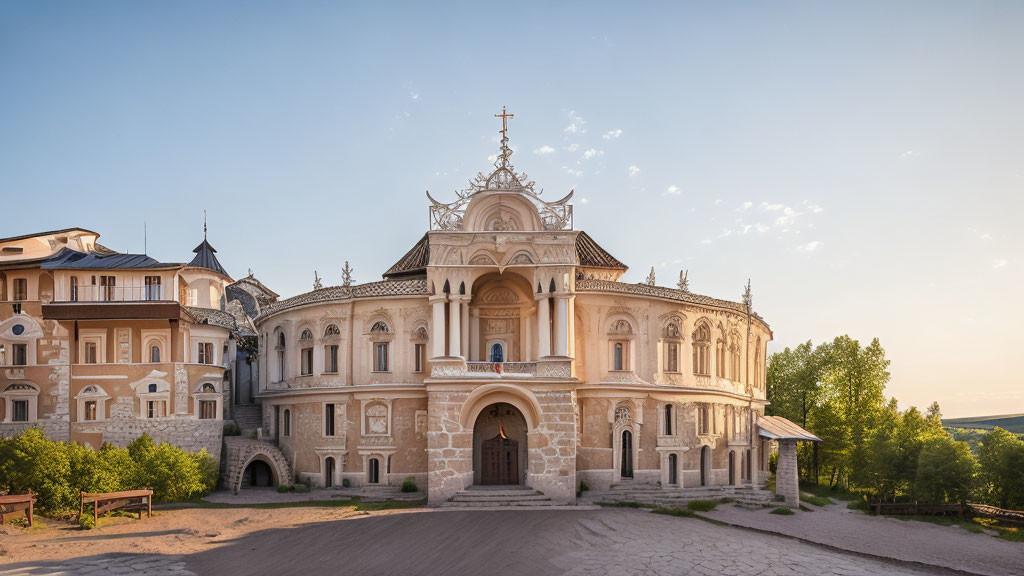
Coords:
1001,456
946,470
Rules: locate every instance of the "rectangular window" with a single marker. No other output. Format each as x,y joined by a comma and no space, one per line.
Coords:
20,289
307,361
74,289
703,420
380,357
206,353
331,358
208,409
20,411
19,354
3,355
329,420
419,353
108,287
90,410
91,353
672,357
151,409
153,288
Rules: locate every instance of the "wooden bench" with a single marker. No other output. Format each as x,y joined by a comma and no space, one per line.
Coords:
131,500
12,503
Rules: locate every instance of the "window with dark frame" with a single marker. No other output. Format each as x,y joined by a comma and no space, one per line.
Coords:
19,411
419,351
74,289
380,357
20,289
208,409
329,420
19,354
330,358
153,288
90,410
307,361
206,353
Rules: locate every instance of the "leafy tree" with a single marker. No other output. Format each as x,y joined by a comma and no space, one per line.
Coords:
1001,456
29,460
946,470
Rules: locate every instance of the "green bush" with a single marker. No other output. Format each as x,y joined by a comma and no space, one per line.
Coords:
409,485
58,471
583,486
232,429
345,483
300,488
86,522
782,511
282,488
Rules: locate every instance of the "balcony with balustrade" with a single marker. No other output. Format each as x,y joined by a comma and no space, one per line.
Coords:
97,302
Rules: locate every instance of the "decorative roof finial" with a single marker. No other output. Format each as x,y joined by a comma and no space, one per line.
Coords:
204,225
506,152
748,298
684,281
650,278
317,285
346,275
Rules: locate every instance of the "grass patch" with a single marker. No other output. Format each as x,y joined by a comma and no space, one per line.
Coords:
702,505
861,505
782,511
356,503
816,500
965,523
685,513
823,491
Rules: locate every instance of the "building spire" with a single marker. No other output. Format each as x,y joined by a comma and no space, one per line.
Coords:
204,225
506,152
748,297
650,278
684,281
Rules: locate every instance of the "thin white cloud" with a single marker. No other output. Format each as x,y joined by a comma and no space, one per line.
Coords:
999,263
573,147
909,154
633,170
672,191
492,157
544,150
584,200
745,206
591,153
572,172
706,241
612,134
771,207
414,95
577,125
810,246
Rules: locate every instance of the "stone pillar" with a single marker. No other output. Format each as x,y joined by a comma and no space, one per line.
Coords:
561,326
543,328
787,482
437,339
466,341
454,326
474,336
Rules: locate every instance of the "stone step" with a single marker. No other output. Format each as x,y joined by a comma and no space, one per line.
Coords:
510,499
503,504
498,493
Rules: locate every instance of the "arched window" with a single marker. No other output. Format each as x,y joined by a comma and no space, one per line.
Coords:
720,358
154,353
306,352
379,327
668,420
497,352
332,330
373,471
758,374
379,335
618,362
419,349
280,357
208,388
287,422
701,352
672,337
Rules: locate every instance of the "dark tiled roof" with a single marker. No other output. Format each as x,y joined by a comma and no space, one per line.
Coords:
68,259
660,292
410,287
212,317
414,262
248,303
591,255
205,258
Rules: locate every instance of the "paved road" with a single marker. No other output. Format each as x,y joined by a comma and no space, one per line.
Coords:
536,542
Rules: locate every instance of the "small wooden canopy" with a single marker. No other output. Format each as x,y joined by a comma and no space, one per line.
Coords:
778,428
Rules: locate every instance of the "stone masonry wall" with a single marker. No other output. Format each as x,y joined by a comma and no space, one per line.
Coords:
787,483
188,434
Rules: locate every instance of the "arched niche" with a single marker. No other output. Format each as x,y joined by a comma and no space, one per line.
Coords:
501,212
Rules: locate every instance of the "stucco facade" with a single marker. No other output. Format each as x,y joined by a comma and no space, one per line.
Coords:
504,349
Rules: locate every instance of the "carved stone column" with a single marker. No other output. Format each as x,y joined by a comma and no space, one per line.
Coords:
437,339
474,336
561,325
466,340
455,326
543,327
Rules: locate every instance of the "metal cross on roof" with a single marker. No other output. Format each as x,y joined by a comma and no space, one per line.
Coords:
504,122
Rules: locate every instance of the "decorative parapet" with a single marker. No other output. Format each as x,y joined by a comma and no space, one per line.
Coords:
546,368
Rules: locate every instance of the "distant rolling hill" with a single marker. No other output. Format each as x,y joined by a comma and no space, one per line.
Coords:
1012,422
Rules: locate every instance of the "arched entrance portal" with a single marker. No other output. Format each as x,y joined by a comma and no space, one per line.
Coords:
500,446
257,474
627,454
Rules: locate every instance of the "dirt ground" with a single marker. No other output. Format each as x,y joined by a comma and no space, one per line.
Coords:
168,532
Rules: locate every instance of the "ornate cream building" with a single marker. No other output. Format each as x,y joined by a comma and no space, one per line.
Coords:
503,349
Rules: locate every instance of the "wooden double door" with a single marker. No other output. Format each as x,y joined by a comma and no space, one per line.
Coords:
499,461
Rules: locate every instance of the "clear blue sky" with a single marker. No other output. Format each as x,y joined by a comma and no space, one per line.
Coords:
862,162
